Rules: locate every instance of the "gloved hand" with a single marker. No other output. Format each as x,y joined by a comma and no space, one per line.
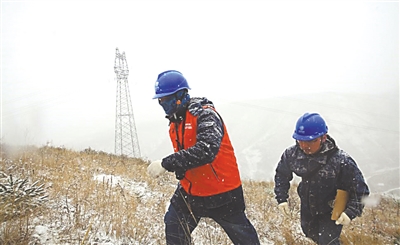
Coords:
284,209
343,219
155,169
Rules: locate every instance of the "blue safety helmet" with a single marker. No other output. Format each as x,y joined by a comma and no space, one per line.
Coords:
169,82
309,127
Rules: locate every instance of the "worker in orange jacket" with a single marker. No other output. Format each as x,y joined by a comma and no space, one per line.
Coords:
204,162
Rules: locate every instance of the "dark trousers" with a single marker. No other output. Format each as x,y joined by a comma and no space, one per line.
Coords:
180,225
320,228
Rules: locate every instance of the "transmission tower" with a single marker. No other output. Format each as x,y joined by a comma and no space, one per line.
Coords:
126,140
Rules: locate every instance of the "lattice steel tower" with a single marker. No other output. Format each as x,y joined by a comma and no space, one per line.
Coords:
126,140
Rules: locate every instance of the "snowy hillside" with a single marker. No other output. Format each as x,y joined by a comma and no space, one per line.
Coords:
100,199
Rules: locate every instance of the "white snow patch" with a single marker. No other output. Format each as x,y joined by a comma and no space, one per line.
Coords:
41,233
111,179
139,189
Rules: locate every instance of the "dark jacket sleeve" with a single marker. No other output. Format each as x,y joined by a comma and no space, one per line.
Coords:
352,181
283,176
208,141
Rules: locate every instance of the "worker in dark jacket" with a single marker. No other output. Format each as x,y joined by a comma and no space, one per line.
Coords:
326,173
204,163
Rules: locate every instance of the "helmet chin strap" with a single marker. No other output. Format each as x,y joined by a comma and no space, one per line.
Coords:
174,117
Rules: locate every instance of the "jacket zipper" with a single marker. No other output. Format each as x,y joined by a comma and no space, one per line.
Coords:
214,172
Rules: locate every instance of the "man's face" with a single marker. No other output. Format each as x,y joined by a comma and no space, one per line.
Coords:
168,103
312,146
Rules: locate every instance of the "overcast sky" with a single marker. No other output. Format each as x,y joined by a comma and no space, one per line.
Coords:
57,57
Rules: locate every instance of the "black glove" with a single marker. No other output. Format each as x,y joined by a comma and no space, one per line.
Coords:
179,174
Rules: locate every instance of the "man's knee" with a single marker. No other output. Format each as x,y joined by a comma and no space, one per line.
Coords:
179,226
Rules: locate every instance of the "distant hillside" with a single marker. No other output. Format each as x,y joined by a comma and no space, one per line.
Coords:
365,126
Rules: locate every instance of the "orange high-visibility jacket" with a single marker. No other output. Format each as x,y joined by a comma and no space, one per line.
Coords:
220,175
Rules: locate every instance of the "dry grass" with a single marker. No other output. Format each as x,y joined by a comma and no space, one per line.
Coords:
96,197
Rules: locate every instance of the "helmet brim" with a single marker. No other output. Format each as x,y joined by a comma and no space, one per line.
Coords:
168,93
306,137
162,95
